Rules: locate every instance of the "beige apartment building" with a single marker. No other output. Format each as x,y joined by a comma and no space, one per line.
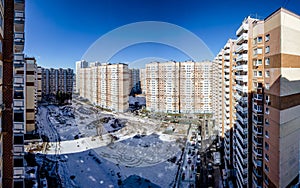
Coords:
266,91
143,80
106,85
179,87
79,64
224,101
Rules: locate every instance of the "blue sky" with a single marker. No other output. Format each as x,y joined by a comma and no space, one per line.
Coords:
58,32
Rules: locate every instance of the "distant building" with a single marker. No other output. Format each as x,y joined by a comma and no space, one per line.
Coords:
106,85
56,80
135,84
79,64
143,81
179,87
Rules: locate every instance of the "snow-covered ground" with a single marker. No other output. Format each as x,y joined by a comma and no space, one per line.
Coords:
103,149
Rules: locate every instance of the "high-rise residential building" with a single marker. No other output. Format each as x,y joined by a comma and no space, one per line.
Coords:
56,80
135,84
179,87
13,111
224,102
143,80
266,92
281,98
106,85
79,64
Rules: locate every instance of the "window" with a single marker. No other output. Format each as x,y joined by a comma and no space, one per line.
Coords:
267,110
255,73
267,134
259,73
0,46
1,21
267,61
267,168
267,38
267,146
267,86
267,157
259,62
267,73
267,49
259,39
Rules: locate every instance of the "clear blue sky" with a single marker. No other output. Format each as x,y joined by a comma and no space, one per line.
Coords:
58,32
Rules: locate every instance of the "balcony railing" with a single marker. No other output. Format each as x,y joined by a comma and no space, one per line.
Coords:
242,88
241,128
19,172
242,38
243,78
243,28
18,127
242,57
242,48
257,163
242,68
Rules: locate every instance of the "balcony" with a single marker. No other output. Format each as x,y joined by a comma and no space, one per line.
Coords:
227,63
257,163
226,70
242,48
226,76
19,20
243,109
227,51
243,170
242,68
258,97
243,28
244,120
242,38
19,42
242,140
257,153
18,57
18,103
18,127
226,57
257,108
243,150
226,96
256,142
19,172
19,4
242,57
18,150
243,78
227,89
256,184
242,88
242,129
256,131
